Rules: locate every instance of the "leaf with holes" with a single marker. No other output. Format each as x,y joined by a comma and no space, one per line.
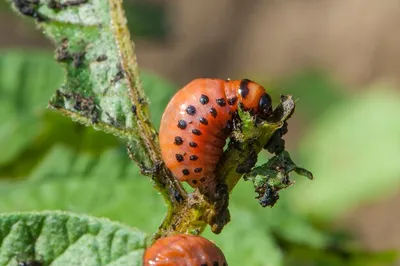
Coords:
102,87
61,238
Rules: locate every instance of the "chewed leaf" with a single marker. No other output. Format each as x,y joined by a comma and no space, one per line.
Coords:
102,87
273,176
250,138
60,238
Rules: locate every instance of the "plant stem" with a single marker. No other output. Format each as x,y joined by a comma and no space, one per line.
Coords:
164,181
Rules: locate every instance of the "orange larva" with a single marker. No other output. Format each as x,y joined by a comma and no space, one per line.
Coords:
198,120
184,250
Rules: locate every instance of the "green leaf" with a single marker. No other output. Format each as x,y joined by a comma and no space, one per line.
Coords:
27,131
246,241
102,87
353,151
107,185
23,99
282,219
147,20
61,238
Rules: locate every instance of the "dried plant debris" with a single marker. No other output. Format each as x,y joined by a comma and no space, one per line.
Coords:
273,176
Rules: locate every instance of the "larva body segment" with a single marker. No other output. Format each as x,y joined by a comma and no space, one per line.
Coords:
184,250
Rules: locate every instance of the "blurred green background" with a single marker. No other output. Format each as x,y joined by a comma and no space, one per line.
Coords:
343,70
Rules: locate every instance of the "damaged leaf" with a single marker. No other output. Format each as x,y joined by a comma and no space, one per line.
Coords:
273,176
102,87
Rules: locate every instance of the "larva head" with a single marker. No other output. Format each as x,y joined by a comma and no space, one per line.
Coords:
253,97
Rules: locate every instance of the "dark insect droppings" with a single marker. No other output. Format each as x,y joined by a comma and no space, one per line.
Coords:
191,110
134,109
182,124
203,121
198,170
120,74
54,4
178,140
185,171
204,99
193,157
213,112
29,8
102,57
202,179
221,102
179,157
196,132
193,144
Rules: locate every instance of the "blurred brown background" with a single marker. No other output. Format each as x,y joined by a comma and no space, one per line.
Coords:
357,41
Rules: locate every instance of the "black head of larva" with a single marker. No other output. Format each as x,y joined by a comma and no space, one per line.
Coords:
265,105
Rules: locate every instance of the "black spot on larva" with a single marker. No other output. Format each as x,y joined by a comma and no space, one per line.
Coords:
193,157
185,171
215,263
191,110
203,121
202,179
232,101
196,132
182,124
213,112
204,99
194,182
179,157
221,102
203,264
193,144
243,89
198,170
178,140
